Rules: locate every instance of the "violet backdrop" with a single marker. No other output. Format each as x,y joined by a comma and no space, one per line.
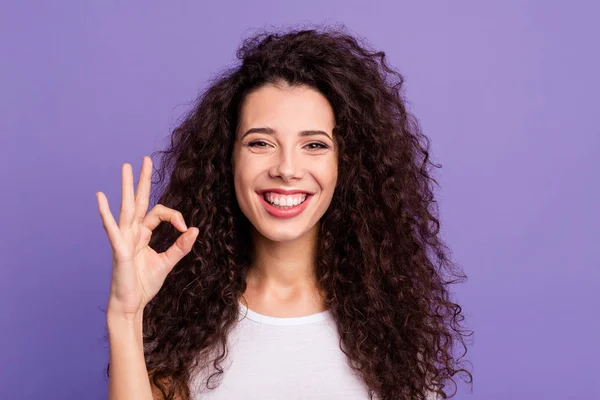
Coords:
507,91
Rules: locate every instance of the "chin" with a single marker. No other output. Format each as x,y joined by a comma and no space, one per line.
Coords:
281,235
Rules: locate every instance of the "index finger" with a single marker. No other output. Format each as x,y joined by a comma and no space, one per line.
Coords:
142,195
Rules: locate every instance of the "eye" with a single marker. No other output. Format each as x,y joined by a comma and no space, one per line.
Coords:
258,143
317,146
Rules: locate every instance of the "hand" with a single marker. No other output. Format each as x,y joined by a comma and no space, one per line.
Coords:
138,271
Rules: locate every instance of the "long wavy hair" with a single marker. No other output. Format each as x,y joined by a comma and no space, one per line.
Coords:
381,263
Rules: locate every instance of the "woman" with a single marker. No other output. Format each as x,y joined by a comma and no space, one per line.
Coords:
312,266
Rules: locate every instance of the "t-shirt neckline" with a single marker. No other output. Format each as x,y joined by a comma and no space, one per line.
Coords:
283,321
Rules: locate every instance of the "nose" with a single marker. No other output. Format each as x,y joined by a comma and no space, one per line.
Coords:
286,167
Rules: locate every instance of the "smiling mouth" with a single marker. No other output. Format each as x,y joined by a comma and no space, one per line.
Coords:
284,202
284,205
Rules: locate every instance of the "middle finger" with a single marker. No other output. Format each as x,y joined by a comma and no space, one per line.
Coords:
127,199
142,195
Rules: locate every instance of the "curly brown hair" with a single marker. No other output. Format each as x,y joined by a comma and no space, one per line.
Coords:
381,264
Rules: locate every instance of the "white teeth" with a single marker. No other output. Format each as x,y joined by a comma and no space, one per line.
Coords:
285,201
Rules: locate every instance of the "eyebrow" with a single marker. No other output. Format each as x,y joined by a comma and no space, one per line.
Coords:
271,131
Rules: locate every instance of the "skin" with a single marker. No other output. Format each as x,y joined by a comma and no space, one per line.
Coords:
281,282
138,272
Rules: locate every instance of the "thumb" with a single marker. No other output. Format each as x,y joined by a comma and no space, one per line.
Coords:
192,236
181,247
188,239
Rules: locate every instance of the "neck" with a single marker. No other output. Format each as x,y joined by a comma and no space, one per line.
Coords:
281,280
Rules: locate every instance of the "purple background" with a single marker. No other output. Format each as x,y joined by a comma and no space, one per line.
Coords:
507,91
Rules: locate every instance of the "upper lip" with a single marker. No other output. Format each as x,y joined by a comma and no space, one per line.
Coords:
284,191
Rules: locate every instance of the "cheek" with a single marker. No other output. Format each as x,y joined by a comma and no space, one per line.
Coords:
240,170
328,176
240,181
244,176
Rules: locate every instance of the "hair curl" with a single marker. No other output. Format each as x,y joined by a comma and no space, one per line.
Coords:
381,264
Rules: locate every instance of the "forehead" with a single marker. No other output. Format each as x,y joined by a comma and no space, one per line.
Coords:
283,106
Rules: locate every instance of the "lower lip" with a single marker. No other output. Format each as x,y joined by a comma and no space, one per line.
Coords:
288,212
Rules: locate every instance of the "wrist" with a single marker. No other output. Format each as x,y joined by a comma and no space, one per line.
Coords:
116,318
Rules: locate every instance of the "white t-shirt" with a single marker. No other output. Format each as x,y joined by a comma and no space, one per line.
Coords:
283,358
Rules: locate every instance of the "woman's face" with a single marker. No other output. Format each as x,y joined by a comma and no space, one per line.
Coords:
285,160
